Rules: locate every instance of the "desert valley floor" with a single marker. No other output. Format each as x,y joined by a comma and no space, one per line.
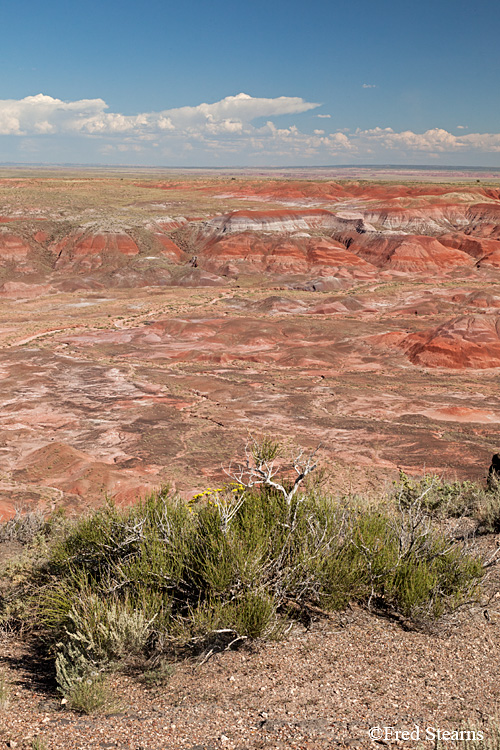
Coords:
150,322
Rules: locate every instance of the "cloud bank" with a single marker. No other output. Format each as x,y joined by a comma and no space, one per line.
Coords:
38,114
225,130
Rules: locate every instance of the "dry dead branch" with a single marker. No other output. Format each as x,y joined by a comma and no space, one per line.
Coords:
260,467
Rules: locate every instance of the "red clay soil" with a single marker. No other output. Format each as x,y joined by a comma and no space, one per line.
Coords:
471,341
13,247
168,248
324,190
411,254
277,255
84,251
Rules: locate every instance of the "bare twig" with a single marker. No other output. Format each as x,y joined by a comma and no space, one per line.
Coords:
260,467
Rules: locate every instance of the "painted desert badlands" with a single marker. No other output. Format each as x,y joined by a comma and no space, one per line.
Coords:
150,322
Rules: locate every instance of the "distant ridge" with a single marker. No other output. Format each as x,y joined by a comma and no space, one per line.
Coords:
270,168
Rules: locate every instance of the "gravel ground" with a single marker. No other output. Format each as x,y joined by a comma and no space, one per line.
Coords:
322,688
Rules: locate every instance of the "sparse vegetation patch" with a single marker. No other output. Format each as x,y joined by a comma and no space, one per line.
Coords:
137,587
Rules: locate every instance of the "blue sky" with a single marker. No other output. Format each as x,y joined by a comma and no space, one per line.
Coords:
325,82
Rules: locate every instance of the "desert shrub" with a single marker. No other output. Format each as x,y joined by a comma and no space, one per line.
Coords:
71,666
438,497
252,614
104,629
22,574
23,527
121,586
258,541
401,565
442,499
33,527
18,583
95,543
82,684
487,510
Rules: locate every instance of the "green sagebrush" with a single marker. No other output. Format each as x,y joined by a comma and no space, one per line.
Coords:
121,586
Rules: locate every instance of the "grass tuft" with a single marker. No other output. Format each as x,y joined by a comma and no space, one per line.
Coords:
91,695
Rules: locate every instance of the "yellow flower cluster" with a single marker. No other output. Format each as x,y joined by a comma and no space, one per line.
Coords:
209,491
205,493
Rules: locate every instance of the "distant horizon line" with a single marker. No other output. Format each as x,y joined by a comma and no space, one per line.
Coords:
100,165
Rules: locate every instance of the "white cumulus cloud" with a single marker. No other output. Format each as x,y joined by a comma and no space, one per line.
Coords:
221,130
432,141
45,114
